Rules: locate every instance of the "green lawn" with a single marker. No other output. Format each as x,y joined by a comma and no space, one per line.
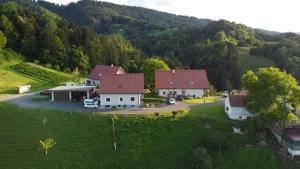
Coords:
85,141
252,62
200,101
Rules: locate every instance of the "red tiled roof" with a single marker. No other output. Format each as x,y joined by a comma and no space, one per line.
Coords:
293,134
100,70
237,100
181,79
122,83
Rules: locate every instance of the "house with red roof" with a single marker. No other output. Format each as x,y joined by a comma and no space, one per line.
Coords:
189,83
290,139
100,70
121,90
235,106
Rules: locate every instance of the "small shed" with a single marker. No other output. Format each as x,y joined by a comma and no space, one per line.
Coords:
64,93
291,141
24,89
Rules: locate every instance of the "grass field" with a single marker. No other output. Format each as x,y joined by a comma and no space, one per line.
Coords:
11,79
200,101
85,141
252,62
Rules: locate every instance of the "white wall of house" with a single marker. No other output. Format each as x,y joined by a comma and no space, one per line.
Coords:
198,93
236,113
120,100
294,152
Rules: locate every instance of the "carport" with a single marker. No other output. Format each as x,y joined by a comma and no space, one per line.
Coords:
68,92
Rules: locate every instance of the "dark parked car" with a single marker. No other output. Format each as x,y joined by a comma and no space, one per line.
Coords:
45,93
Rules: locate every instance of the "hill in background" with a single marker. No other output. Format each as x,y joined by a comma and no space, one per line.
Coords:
77,36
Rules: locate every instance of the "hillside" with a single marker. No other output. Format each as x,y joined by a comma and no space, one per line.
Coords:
84,140
37,76
111,18
252,62
106,33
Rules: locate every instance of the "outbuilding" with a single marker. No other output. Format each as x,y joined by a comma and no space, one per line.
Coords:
64,93
235,107
291,141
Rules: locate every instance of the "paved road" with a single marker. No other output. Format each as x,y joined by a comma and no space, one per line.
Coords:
25,101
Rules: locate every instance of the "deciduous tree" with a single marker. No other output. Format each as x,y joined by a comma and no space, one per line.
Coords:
149,67
269,92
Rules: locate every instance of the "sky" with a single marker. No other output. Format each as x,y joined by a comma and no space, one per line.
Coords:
274,15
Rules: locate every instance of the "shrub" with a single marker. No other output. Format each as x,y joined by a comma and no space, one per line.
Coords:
153,100
146,105
217,142
156,114
56,67
200,159
182,113
174,113
48,65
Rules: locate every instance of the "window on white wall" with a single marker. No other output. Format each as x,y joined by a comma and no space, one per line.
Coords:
132,99
121,99
164,92
107,99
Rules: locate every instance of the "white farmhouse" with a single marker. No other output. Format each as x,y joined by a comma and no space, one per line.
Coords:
234,107
100,70
121,90
189,83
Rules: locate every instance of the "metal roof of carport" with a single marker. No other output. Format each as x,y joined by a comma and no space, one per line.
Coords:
71,88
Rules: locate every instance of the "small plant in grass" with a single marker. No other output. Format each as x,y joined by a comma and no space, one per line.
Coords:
146,105
156,114
47,144
200,159
115,117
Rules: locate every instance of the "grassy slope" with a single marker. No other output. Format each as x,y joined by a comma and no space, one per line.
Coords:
10,79
85,141
252,62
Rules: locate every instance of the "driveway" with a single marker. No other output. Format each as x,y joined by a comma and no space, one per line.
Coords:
25,101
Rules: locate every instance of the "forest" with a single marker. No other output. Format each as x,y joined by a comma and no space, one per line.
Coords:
106,33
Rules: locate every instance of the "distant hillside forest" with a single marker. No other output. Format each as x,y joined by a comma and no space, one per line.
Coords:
80,35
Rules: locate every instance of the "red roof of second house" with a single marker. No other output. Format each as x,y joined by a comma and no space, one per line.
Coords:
237,100
181,79
100,70
122,84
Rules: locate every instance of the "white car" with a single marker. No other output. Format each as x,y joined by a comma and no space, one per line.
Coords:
172,101
89,103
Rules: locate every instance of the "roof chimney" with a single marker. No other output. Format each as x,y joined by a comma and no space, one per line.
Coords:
173,71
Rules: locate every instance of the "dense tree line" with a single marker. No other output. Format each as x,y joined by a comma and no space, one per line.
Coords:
46,38
106,33
286,54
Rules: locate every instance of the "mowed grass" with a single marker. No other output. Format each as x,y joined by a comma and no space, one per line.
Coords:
252,62
148,142
11,79
200,100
